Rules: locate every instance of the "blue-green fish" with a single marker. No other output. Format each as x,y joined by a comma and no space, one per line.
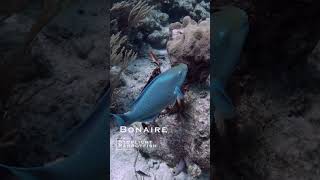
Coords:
87,161
230,28
162,91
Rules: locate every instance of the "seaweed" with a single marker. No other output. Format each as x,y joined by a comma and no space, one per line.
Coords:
119,57
132,13
139,12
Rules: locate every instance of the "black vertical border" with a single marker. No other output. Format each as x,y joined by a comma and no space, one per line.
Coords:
213,135
107,25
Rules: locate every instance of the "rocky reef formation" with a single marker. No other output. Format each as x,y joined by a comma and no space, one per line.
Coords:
154,29
190,44
136,20
197,9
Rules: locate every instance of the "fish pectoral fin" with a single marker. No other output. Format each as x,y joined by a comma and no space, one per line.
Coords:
179,94
221,101
120,119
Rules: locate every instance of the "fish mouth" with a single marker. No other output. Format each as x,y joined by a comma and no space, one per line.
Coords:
183,70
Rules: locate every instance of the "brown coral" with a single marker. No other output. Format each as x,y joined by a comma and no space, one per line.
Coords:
189,43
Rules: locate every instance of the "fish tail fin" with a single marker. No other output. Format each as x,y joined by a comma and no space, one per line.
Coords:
221,101
21,173
4,170
121,119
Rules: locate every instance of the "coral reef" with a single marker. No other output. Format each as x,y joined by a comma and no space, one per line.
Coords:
152,26
126,16
154,29
197,9
189,43
188,139
201,11
140,22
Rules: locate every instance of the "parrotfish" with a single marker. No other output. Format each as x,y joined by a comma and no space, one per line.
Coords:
230,28
162,91
87,161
